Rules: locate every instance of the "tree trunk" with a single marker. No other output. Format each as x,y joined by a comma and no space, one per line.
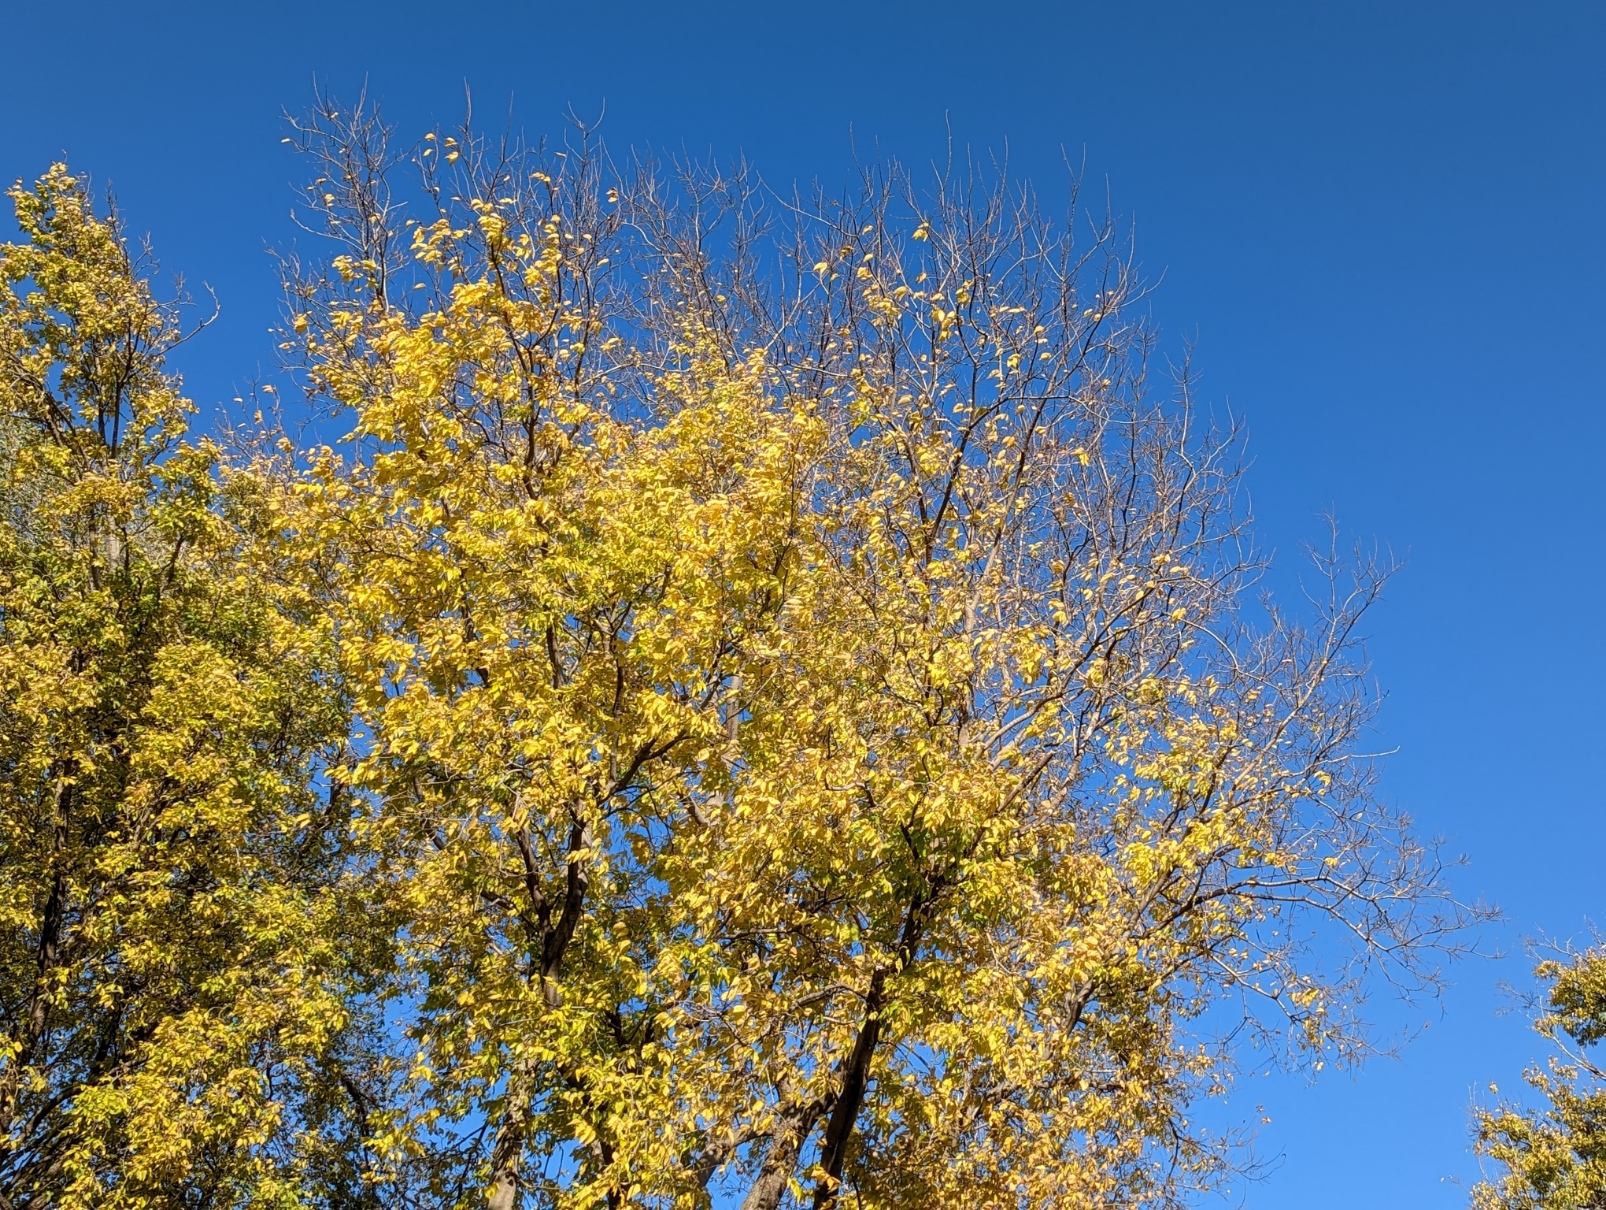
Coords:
781,1159
855,1078
508,1152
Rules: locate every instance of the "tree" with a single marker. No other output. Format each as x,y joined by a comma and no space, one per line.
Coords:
812,727
171,934
1555,1157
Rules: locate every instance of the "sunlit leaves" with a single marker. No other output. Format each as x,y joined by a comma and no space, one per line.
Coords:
170,932
1553,1155
822,744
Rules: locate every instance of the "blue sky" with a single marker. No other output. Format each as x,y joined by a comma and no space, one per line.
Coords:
1382,224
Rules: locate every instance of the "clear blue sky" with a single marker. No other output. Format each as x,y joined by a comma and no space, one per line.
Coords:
1382,223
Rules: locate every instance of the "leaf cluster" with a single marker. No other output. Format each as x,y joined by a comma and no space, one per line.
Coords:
1554,1155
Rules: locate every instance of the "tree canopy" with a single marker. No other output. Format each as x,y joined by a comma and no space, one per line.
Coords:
765,703
173,938
1554,1155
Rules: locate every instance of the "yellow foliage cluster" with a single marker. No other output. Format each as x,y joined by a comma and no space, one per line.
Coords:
699,736
170,968
1554,1157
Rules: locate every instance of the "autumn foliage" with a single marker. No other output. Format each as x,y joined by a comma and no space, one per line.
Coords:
1552,1156
763,704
